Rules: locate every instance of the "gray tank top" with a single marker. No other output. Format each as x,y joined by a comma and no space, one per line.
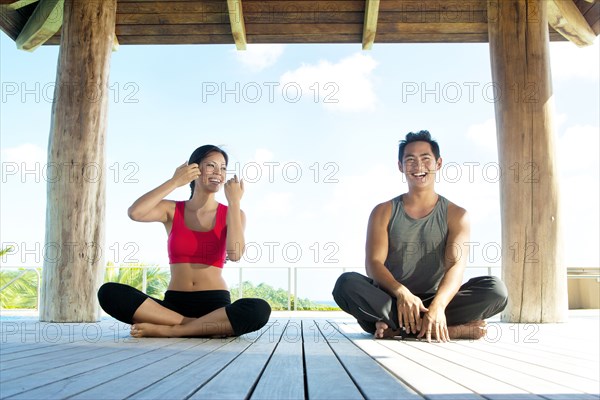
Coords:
416,246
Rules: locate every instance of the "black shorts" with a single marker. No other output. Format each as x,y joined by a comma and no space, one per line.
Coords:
245,315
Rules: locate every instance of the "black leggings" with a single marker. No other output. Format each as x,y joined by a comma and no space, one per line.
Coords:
245,315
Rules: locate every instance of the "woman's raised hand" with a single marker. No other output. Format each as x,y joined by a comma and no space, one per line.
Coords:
234,190
185,173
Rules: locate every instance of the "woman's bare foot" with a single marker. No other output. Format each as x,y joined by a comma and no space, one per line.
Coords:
383,331
470,330
146,329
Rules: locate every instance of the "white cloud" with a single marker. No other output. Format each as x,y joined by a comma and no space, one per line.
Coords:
569,61
26,153
577,150
257,57
263,155
559,120
484,134
343,86
275,204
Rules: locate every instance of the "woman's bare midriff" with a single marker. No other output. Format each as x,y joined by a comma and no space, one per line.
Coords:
187,277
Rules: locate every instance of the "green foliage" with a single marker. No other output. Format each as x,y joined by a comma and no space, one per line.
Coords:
21,285
157,279
277,298
4,251
19,289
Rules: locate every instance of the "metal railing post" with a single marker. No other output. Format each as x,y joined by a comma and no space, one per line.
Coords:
240,291
144,279
289,288
295,289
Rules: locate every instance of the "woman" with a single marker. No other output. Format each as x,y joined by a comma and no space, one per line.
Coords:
201,233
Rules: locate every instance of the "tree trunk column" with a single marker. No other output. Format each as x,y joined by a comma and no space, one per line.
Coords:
532,265
74,257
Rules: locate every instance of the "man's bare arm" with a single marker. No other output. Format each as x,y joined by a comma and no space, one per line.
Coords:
377,249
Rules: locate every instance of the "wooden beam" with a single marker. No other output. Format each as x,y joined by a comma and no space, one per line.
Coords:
238,27
15,5
115,45
76,194
532,265
11,22
566,19
370,24
45,21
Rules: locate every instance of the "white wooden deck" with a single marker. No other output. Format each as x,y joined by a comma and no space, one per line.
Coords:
298,356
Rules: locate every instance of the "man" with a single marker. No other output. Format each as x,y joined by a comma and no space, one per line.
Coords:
415,260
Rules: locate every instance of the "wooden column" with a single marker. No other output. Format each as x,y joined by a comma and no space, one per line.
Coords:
532,265
74,256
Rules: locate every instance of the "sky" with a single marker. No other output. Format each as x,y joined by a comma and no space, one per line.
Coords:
313,130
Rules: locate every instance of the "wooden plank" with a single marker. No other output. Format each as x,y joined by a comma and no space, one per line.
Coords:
480,382
30,337
253,6
176,30
540,377
400,37
107,373
411,371
370,24
373,380
245,370
187,39
433,17
249,17
303,29
435,28
238,27
74,378
440,6
42,362
326,377
592,16
45,21
283,377
307,6
152,374
565,18
302,38
189,379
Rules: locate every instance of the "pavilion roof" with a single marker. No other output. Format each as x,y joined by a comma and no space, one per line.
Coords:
299,21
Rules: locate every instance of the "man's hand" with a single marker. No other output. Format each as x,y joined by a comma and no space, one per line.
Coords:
409,311
434,325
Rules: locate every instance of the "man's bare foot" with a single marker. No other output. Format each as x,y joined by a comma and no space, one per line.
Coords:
383,331
470,330
151,330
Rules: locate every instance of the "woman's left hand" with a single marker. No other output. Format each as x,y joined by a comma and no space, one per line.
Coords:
234,189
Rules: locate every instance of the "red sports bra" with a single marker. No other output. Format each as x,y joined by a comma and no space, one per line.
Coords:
187,246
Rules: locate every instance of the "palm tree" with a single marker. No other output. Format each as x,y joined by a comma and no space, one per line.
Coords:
132,274
18,288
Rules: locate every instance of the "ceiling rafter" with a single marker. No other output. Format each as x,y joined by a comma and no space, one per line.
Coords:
370,24
238,27
566,19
